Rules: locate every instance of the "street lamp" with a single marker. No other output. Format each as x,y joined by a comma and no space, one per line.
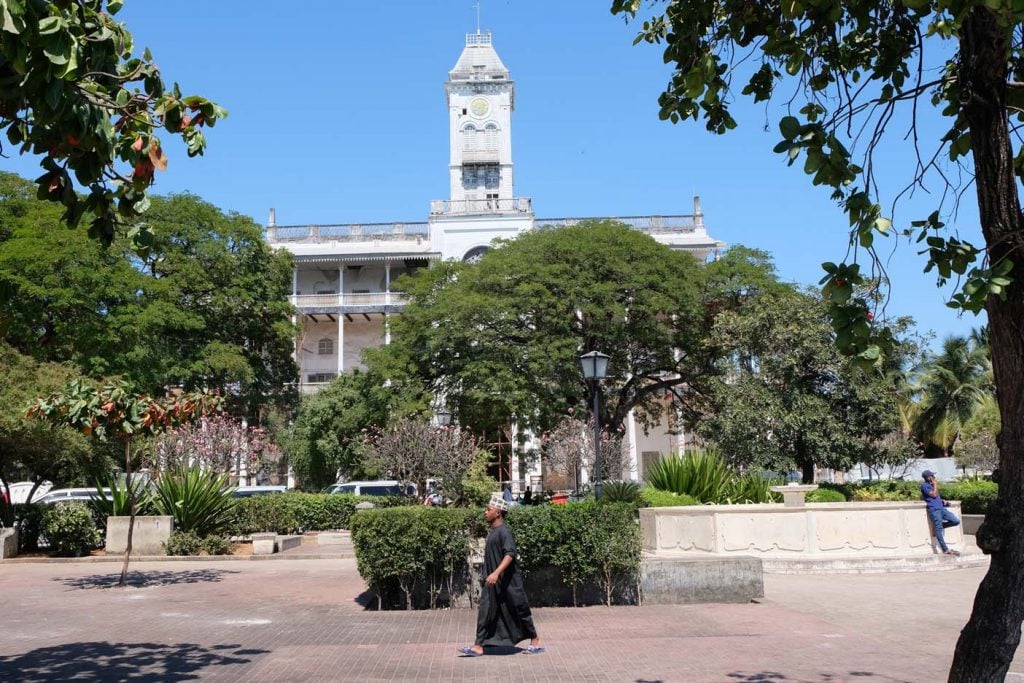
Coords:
595,369
444,416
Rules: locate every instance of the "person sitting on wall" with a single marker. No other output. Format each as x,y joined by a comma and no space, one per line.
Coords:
941,517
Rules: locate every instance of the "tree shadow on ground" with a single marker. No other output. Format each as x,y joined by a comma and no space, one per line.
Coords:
772,676
367,600
145,579
101,661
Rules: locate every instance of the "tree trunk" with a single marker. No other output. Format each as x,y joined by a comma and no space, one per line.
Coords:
131,508
988,641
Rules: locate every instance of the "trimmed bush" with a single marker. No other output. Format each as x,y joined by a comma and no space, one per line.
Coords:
822,495
413,549
183,543
891,490
293,512
975,496
585,541
651,497
70,529
414,557
216,545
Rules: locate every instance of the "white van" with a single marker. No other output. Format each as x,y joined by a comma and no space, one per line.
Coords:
379,487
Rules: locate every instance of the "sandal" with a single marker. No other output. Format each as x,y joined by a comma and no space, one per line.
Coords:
470,652
534,650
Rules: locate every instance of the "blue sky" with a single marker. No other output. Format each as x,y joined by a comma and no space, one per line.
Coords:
337,115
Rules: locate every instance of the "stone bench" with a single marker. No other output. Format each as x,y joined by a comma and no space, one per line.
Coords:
8,543
686,580
270,543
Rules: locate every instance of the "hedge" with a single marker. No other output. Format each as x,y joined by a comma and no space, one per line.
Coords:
418,557
292,513
975,496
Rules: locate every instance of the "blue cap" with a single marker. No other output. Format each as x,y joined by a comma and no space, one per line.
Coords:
927,473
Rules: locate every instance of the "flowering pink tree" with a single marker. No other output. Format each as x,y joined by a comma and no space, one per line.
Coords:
413,450
568,450
219,443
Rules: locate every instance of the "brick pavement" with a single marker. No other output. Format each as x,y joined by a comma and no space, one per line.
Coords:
304,620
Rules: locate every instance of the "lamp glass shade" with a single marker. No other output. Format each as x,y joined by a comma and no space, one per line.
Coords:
444,417
594,365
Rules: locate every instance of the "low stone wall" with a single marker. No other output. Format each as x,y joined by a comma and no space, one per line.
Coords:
8,543
151,532
971,523
689,580
270,543
818,530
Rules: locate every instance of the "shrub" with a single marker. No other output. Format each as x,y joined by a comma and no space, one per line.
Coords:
183,543
708,478
586,542
822,495
70,529
28,517
620,492
411,548
258,514
216,545
653,498
975,496
293,512
117,502
890,490
199,500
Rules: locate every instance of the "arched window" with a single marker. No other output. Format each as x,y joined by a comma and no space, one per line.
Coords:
491,137
469,138
326,347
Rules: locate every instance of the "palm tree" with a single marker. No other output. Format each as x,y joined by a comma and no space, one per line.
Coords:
952,385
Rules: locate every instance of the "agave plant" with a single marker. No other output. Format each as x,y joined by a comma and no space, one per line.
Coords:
199,500
112,499
707,477
620,492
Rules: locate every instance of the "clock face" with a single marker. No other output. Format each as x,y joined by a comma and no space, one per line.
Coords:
479,107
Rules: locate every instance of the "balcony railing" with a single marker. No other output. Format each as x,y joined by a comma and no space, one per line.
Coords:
349,232
457,207
373,300
680,224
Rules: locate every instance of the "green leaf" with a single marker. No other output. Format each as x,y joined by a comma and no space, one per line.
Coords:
789,126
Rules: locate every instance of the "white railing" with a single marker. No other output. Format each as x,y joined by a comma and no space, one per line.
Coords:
455,207
311,387
479,156
304,301
350,232
684,224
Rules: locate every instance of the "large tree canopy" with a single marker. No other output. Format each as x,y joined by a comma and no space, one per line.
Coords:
844,70
502,336
787,397
206,307
72,92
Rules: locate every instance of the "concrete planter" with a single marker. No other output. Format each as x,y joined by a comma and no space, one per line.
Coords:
971,524
8,543
151,532
817,530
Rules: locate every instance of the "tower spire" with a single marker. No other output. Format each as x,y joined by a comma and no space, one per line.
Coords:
478,17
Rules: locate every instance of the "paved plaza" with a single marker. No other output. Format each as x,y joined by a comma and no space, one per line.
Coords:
303,619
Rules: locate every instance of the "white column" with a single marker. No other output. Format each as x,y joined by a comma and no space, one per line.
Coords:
387,328
634,465
341,320
513,464
387,283
298,333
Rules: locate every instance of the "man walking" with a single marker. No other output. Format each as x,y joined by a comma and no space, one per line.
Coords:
941,518
504,616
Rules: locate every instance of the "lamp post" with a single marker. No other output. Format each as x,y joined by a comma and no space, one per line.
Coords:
444,416
595,369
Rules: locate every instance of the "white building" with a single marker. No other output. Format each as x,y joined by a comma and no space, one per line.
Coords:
342,281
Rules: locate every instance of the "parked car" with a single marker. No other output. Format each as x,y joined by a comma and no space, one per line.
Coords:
83,495
248,491
380,487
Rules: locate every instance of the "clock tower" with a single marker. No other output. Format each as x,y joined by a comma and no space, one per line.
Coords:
481,97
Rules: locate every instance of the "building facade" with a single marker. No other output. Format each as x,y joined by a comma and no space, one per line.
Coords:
342,280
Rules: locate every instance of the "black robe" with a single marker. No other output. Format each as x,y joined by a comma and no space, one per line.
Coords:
504,617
